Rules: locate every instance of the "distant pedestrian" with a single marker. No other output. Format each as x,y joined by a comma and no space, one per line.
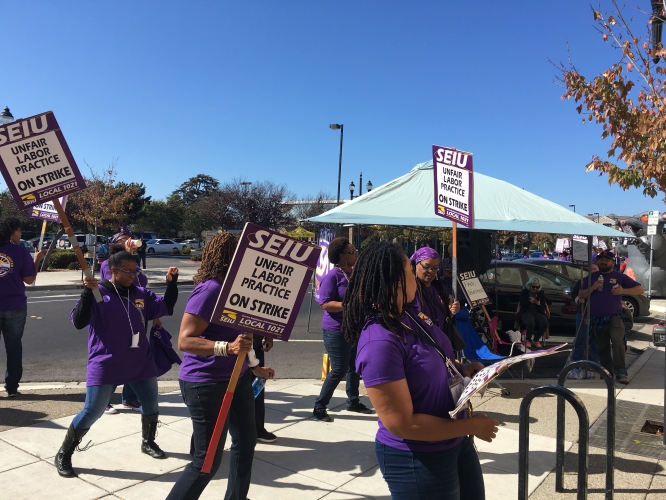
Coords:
606,320
17,268
118,351
526,254
141,254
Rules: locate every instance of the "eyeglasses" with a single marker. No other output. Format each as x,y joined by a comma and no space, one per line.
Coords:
350,253
127,272
535,287
429,269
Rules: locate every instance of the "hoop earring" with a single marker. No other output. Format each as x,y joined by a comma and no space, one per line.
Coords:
345,260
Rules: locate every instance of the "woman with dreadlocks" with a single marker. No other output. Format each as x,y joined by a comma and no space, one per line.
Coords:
410,373
431,299
210,355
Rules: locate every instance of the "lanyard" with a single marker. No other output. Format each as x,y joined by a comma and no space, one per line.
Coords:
453,371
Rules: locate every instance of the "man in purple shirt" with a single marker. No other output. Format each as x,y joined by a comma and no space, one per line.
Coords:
17,268
607,324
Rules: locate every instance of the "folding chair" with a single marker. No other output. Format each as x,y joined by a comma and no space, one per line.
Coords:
497,341
476,350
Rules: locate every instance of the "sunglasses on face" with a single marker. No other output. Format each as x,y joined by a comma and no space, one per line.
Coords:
429,269
127,272
535,287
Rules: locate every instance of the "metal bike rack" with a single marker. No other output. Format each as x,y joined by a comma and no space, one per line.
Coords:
610,426
524,437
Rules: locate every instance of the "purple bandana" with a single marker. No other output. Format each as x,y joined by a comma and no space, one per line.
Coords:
424,254
124,231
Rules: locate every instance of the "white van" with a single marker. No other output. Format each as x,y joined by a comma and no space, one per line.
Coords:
83,239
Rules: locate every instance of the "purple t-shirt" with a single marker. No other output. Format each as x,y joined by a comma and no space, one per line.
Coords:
200,368
332,289
111,359
383,357
139,280
602,301
15,264
436,313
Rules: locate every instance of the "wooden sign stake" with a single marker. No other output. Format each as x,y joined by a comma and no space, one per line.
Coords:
75,245
222,416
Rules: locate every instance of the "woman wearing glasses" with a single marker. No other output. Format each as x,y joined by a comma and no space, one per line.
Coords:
430,296
342,354
118,351
533,312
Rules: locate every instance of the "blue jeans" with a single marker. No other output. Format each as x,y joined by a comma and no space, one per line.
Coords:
579,343
454,474
343,358
203,400
128,394
11,328
98,396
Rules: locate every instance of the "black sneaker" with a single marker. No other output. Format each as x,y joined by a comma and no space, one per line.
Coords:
622,378
267,437
360,408
321,415
13,394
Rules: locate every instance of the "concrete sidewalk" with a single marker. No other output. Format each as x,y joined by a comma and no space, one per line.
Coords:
310,460
156,271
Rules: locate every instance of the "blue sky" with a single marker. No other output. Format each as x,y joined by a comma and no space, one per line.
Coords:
248,89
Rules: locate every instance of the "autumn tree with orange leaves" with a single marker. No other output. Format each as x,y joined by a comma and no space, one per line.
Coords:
628,100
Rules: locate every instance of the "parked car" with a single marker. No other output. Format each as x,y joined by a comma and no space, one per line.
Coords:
27,246
83,239
179,240
639,305
191,244
512,256
504,288
163,246
535,255
145,236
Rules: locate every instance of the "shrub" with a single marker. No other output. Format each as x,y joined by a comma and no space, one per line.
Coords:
196,257
61,259
74,265
187,250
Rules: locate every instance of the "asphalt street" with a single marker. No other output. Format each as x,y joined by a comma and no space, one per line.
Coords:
53,350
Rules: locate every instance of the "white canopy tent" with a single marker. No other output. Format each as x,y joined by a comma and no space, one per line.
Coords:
498,206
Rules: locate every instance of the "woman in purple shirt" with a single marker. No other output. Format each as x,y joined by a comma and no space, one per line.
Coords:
211,351
408,366
430,297
342,354
118,351
17,268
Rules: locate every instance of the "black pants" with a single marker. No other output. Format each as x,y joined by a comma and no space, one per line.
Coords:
532,320
140,257
259,401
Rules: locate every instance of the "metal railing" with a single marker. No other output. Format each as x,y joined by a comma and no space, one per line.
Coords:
524,437
610,426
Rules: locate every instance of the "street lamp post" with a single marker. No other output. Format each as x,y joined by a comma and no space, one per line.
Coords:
574,207
597,214
368,186
6,116
341,128
352,187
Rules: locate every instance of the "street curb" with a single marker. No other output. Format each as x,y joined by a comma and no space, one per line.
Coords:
76,286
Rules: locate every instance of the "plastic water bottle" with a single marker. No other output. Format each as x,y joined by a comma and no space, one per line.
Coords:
258,385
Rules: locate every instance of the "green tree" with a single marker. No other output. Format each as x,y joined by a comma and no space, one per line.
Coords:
628,100
135,202
162,218
195,189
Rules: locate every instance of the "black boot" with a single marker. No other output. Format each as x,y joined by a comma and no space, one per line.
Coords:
148,432
63,460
